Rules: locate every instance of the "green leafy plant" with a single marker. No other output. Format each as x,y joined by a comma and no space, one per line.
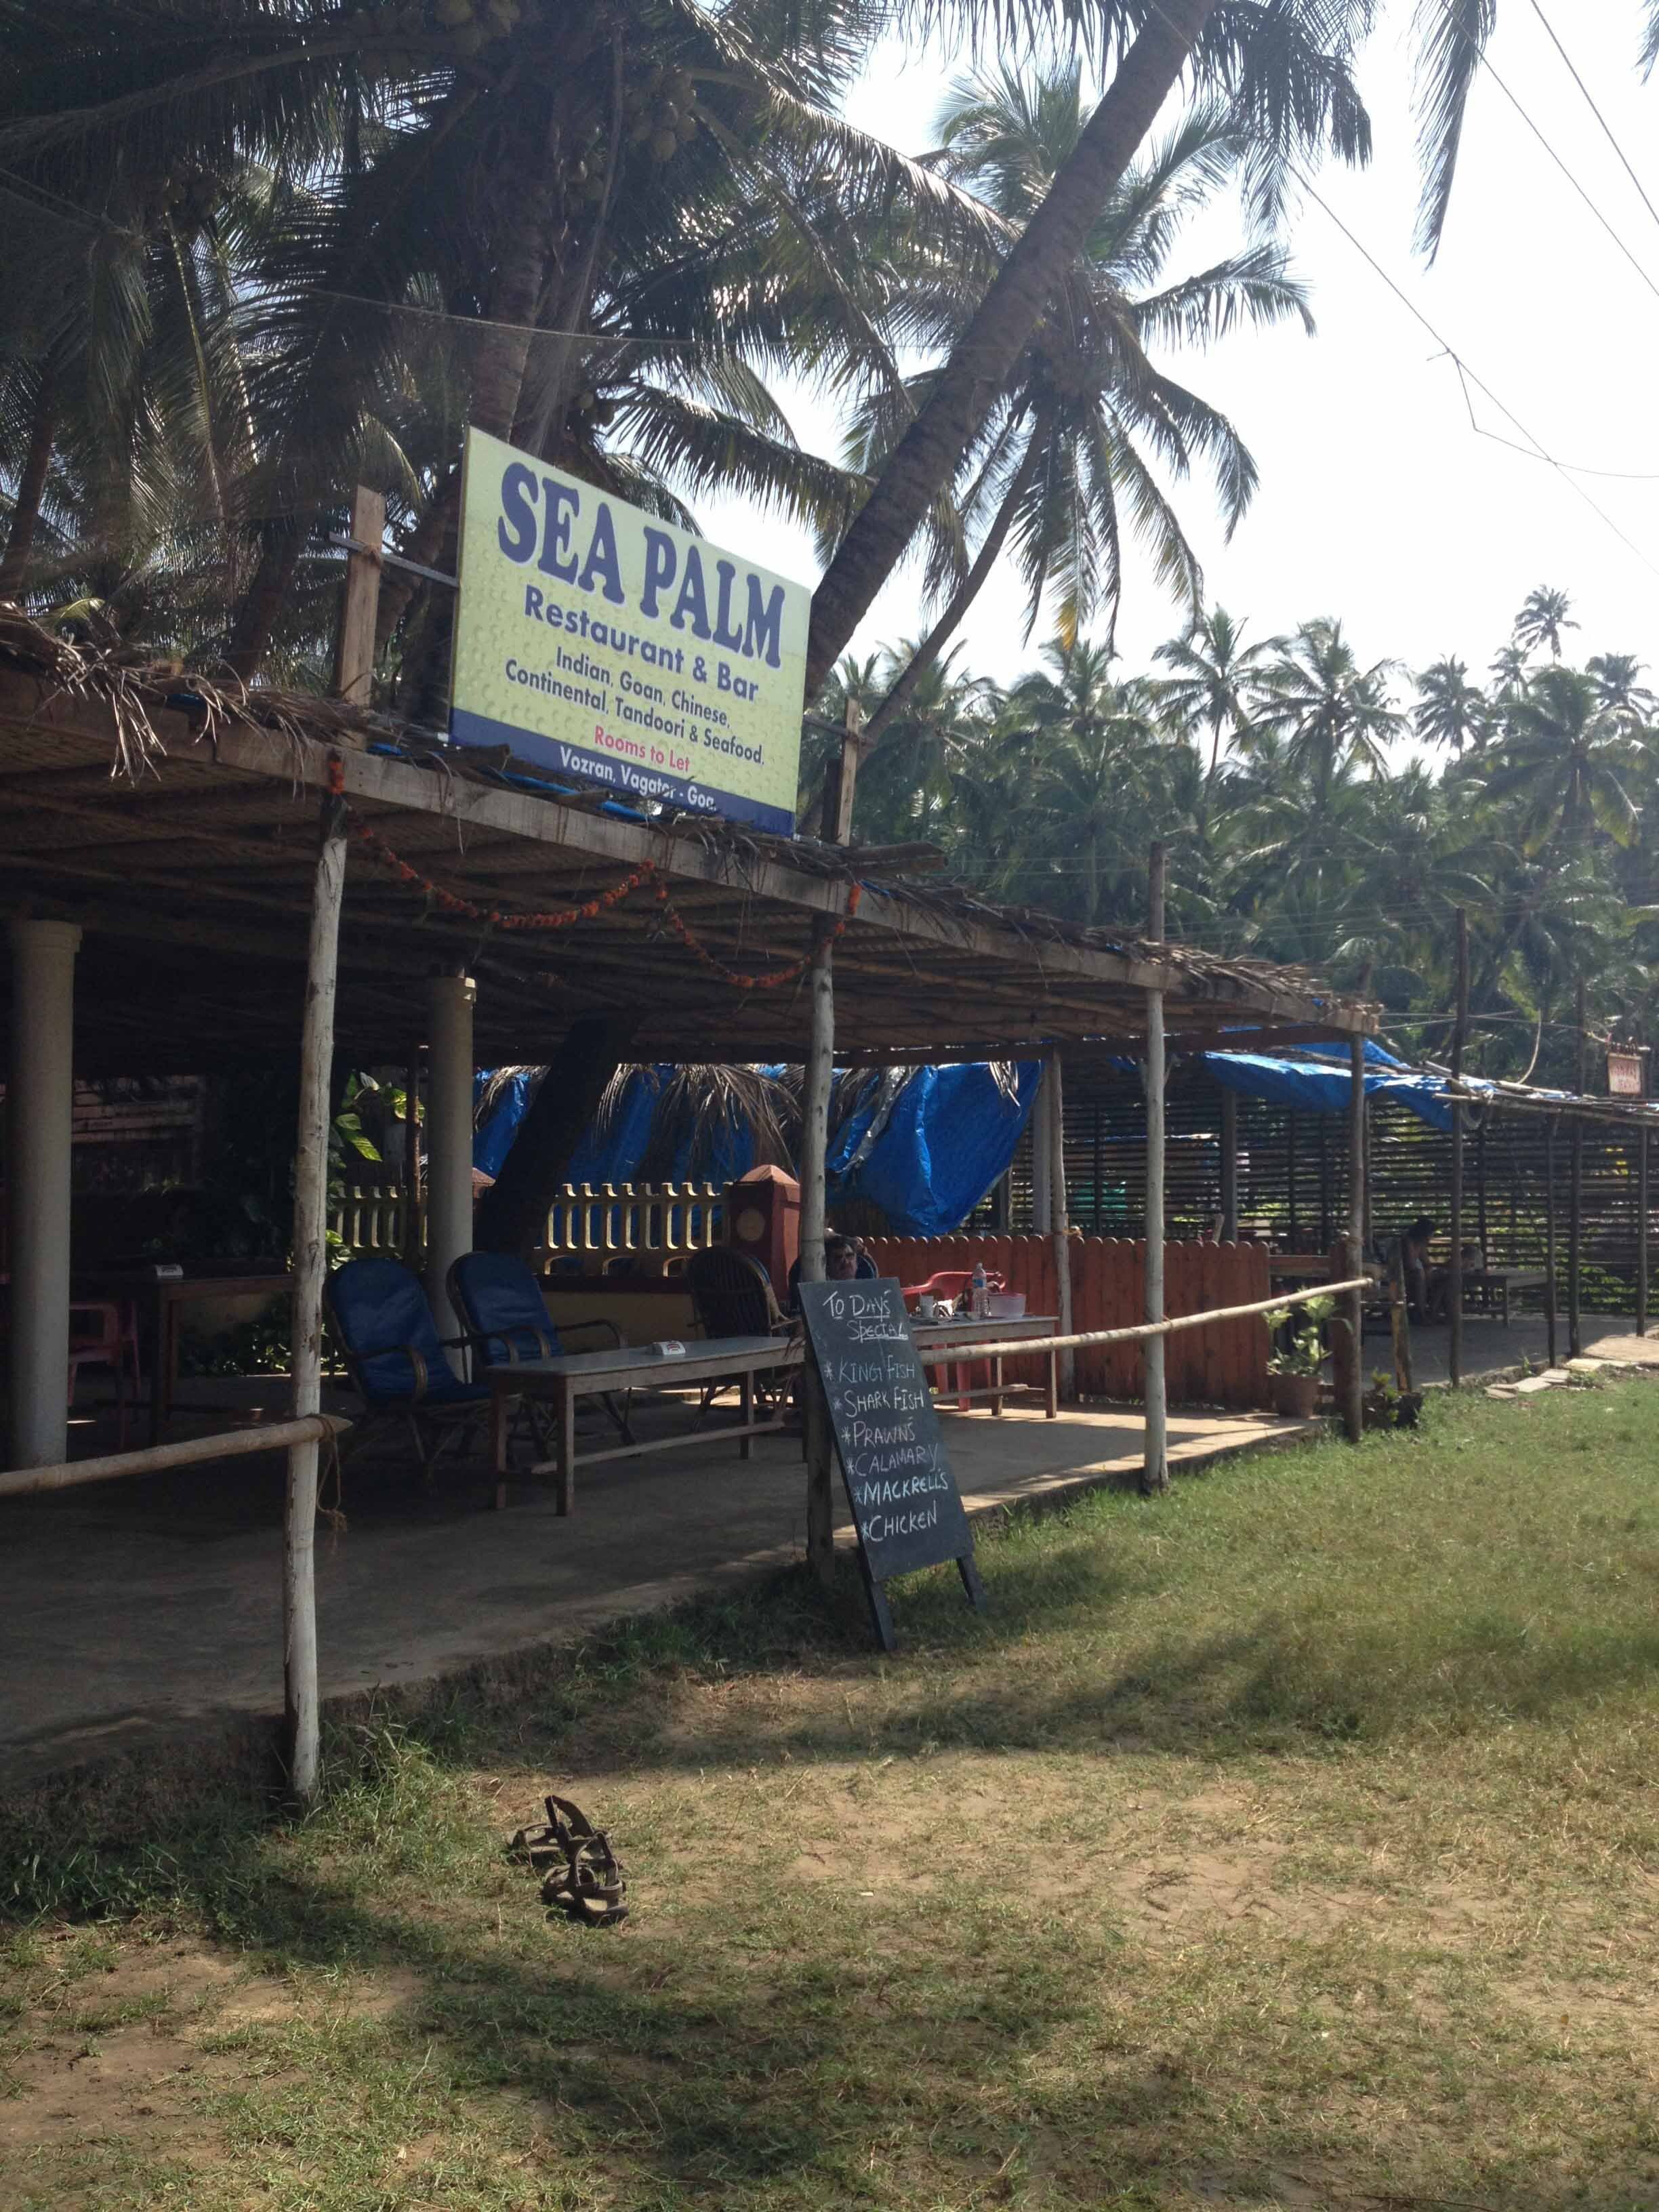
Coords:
1303,1353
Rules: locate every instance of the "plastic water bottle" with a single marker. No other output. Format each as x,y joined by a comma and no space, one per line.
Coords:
980,1292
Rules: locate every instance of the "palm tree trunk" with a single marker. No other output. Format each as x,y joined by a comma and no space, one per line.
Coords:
515,299
984,561
982,360
262,602
32,483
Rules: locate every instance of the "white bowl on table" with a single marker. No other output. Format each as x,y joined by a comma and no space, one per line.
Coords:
1005,1306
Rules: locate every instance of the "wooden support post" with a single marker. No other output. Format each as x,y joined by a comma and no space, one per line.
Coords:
1353,1416
1097,1165
814,1147
1454,1272
842,782
413,1241
1229,1167
1643,1199
1293,1224
1549,1235
360,605
1576,1196
1061,1220
1400,1323
1155,1474
1043,1156
310,1263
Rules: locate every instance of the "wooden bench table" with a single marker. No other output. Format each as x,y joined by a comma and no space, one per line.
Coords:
1502,1282
576,1375
950,1344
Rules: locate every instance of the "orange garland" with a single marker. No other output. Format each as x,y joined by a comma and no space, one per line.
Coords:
451,902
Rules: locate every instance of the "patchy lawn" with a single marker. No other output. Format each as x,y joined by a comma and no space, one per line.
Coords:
1293,1841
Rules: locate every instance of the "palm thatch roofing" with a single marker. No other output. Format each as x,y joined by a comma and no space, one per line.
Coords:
177,823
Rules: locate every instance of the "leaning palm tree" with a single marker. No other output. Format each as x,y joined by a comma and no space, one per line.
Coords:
1067,463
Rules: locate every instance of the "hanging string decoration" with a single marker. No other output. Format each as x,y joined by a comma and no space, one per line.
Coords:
451,902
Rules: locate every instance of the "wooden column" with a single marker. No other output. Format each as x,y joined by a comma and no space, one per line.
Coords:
354,645
1042,1154
1549,1233
1289,1179
413,1241
1060,1219
1155,1474
1229,1167
1576,1199
814,1147
310,1261
1455,1273
1353,1418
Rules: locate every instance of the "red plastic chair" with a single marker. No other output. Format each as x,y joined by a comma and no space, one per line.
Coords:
113,1344
951,1282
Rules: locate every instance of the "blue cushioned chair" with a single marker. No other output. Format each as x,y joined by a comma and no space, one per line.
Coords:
500,1305
397,1362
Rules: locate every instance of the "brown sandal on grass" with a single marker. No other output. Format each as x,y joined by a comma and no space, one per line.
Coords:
581,1875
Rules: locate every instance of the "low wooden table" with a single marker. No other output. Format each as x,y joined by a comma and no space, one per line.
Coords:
576,1375
938,1343
1496,1285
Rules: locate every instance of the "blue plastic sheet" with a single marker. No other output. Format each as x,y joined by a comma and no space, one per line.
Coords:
949,1137
1312,1090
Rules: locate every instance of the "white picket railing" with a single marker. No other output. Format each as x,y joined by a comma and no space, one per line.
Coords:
612,1222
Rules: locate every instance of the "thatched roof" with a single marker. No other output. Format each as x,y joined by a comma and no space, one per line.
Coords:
176,820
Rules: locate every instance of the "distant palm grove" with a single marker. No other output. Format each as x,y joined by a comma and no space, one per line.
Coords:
1316,807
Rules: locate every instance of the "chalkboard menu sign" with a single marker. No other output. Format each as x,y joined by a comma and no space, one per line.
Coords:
906,1506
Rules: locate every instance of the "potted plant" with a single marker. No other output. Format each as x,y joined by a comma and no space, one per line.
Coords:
1297,1355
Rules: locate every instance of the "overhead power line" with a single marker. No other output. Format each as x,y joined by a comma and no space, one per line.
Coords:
1590,99
1481,56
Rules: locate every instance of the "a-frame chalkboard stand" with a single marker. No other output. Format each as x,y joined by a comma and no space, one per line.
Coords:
906,1509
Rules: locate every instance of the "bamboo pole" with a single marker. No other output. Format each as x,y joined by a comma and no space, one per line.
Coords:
1549,1235
1354,1410
1576,1197
1229,1167
310,1261
1043,1156
1642,1198
1151,1331
154,1459
1289,1177
1060,1218
1454,1272
1155,1473
814,1149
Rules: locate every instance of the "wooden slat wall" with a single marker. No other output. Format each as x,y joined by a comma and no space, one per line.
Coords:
1294,1168
1226,1366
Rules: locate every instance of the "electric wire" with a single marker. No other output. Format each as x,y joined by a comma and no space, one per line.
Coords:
1590,101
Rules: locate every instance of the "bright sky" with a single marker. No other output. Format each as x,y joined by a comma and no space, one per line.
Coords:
1378,503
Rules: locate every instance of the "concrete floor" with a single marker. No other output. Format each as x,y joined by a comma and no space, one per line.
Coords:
1489,1348
136,1610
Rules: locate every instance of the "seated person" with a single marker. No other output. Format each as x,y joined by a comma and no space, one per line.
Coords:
1414,1242
843,1262
1474,1263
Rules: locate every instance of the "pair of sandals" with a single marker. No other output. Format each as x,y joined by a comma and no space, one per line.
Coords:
581,1875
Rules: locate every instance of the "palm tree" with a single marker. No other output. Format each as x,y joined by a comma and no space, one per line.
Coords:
1329,711
1064,466
1544,616
1567,762
1449,710
1617,678
1213,679
1099,763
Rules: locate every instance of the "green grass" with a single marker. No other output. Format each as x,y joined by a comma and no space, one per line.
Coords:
1292,1841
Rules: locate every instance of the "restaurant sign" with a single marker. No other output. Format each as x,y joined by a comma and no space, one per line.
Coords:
600,643
1625,1074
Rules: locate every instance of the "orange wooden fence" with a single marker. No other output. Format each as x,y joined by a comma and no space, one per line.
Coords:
1226,1365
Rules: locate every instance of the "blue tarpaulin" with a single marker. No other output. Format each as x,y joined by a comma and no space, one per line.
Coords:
949,1137
927,1156
1326,1090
